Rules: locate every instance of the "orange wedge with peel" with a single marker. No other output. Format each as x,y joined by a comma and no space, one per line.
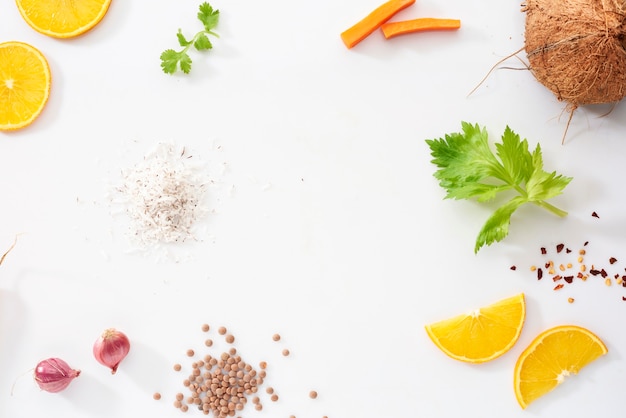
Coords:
483,334
553,356
63,18
24,84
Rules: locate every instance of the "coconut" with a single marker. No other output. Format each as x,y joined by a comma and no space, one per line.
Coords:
575,48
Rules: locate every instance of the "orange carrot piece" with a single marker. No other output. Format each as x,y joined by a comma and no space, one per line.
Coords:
392,29
373,21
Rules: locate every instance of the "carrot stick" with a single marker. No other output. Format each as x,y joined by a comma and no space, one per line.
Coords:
373,21
392,29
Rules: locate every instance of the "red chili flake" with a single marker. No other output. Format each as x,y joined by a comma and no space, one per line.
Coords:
594,214
603,273
543,250
559,286
559,248
568,279
540,274
594,272
612,260
585,244
513,268
567,250
579,275
556,278
623,297
547,265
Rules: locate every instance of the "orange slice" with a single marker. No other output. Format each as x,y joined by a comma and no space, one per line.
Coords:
553,356
24,84
482,334
63,18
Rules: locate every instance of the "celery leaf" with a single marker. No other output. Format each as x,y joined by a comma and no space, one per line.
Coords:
468,168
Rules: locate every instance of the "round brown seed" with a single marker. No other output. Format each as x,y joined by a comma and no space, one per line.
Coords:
205,327
177,367
312,394
285,352
230,339
156,396
276,337
221,330
190,353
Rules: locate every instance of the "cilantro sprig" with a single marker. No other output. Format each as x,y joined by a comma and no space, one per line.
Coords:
467,168
172,60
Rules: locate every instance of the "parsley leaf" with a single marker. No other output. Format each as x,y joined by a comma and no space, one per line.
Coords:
172,60
468,168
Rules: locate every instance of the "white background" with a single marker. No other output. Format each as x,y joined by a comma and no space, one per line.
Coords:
327,225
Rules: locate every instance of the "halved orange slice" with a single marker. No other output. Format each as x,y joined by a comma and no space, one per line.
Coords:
24,84
554,355
482,334
63,18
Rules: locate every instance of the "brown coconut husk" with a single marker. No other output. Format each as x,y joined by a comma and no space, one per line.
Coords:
576,49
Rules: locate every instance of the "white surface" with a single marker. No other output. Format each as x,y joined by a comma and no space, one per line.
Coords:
328,226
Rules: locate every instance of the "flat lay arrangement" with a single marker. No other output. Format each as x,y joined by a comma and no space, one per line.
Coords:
393,208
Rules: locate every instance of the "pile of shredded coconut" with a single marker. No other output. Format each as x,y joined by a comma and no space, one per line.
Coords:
164,196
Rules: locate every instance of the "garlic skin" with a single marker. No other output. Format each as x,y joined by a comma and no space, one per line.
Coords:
54,375
111,348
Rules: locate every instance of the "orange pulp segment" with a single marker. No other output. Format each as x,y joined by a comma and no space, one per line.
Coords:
482,334
24,84
554,355
63,18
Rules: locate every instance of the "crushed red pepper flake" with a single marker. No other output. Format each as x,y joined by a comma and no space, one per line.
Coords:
594,214
513,268
551,268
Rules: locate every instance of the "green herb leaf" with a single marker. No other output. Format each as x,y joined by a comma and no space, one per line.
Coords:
208,16
169,61
467,168
185,63
202,43
172,60
182,41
